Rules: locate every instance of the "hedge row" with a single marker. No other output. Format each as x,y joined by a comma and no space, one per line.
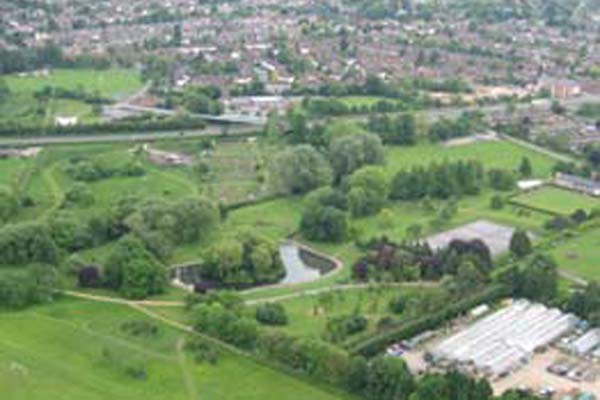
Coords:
378,343
125,126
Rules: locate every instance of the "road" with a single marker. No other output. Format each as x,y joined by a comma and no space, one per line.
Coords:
248,129
210,131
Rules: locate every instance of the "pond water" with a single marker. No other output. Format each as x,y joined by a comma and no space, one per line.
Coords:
296,270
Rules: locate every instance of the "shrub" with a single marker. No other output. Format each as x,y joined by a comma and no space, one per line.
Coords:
271,314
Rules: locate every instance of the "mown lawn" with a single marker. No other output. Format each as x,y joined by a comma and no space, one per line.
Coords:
23,108
580,255
557,200
11,168
308,314
111,83
493,154
78,350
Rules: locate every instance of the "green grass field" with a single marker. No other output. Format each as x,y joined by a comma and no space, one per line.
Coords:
11,168
308,317
112,83
77,350
493,154
557,200
22,108
580,255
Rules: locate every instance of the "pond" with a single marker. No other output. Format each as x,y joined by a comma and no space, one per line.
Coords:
296,269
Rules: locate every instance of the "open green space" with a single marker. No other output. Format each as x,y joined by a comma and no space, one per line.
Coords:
493,154
112,83
308,314
11,169
557,200
21,107
580,255
79,350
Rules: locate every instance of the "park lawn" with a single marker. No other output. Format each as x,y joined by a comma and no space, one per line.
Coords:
72,108
158,182
308,315
493,154
11,168
580,255
59,351
359,101
557,200
115,83
273,219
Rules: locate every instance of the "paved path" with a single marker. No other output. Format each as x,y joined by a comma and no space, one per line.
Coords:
539,149
572,277
332,288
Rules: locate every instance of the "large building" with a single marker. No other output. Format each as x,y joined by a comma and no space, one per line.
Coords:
505,340
573,182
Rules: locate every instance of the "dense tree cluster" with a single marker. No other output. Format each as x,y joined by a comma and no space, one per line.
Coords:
34,284
440,181
26,243
162,225
537,279
324,217
401,130
301,169
586,303
465,125
271,314
385,260
351,152
338,328
133,271
86,170
520,244
243,261
367,191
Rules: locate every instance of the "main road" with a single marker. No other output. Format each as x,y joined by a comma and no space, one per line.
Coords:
215,130
74,138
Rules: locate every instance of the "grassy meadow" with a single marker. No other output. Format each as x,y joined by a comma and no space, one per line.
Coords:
22,107
79,350
557,200
580,255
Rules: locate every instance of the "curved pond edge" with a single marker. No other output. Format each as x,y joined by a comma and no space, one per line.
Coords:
337,267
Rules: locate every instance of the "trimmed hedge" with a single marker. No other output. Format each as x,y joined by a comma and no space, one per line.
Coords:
124,126
378,343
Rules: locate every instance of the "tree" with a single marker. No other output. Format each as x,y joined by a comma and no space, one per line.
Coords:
414,231
133,271
537,281
502,180
388,378
8,205
497,202
520,244
349,153
301,169
586,303
219,322
271,314
525,168
368,191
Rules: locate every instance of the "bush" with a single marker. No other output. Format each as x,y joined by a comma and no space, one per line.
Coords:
202,351
271,314
89,277
414,327
140,328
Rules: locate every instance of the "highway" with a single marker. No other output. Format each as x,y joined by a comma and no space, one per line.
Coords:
251,127
210,131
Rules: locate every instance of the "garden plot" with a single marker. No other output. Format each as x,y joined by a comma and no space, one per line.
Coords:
496,237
